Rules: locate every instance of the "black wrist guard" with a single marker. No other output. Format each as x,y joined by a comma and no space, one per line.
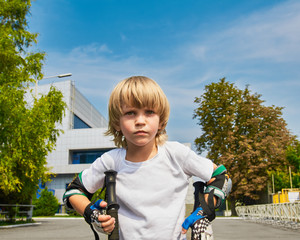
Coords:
91,215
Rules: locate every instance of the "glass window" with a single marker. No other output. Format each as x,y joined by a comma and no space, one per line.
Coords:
78,123
85,157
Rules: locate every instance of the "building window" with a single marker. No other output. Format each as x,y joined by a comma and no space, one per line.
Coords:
86,157
78,123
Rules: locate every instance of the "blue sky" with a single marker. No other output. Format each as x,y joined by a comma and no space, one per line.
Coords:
183,45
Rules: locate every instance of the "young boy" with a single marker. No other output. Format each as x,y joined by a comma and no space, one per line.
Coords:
152,179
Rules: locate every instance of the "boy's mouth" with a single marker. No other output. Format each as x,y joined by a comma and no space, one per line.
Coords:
140,132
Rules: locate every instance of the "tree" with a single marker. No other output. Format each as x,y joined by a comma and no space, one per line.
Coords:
27,130
46,205
249,138
281,175
293,155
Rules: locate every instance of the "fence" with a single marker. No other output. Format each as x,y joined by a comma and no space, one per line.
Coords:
16,211
280,214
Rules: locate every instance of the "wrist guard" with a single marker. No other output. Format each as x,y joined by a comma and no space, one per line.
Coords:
91,214
198,222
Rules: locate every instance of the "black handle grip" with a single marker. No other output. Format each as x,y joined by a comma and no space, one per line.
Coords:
112,205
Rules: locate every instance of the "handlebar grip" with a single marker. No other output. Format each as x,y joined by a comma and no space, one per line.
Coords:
115,233
112,205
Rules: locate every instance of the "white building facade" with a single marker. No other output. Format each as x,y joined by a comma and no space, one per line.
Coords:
82,140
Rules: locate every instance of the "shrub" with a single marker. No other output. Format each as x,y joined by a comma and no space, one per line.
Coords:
46,205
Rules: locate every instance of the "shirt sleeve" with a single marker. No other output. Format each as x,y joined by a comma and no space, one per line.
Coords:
191,163
198,166
93,177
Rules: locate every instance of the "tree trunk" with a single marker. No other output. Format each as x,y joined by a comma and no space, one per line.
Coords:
232,206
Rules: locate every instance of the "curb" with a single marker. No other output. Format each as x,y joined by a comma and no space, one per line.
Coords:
20,225
57,218
229,218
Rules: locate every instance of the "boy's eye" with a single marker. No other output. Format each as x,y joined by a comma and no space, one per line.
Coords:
149,112
129,113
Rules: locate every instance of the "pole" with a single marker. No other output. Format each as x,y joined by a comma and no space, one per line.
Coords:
291,182
112,205
273,185
56,76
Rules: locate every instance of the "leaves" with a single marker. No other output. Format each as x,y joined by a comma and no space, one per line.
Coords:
281,175
27,133
243,134
46,205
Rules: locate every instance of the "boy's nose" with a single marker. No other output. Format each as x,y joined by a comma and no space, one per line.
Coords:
140,119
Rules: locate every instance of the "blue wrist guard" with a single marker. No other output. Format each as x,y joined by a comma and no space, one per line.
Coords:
190,220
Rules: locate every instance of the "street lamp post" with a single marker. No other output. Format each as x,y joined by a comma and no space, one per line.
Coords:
56,76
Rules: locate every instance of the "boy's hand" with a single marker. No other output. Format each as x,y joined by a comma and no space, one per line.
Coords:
94,214
106,221
197,217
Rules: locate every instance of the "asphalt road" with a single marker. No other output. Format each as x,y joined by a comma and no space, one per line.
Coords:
224,229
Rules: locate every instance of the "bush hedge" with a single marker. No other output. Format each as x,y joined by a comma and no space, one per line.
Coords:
46,205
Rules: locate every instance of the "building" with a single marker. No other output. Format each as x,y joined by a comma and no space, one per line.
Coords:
82,140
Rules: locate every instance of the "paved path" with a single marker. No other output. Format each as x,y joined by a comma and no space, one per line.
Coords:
224,229
233,229
50,229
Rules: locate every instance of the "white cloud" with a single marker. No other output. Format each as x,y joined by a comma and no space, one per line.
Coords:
91,49
198,52
123,37
272,34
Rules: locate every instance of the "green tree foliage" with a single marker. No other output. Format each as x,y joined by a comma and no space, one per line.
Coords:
27,130
249,138
99,194
281,175
293,155
46,205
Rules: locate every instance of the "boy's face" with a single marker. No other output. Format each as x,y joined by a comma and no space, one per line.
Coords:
139,125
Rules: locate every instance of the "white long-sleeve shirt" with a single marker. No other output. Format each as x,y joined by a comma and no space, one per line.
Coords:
151,194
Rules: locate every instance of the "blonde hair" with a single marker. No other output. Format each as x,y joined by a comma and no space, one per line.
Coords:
140,92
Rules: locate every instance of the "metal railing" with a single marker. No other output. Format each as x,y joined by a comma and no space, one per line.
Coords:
280,214
18,211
